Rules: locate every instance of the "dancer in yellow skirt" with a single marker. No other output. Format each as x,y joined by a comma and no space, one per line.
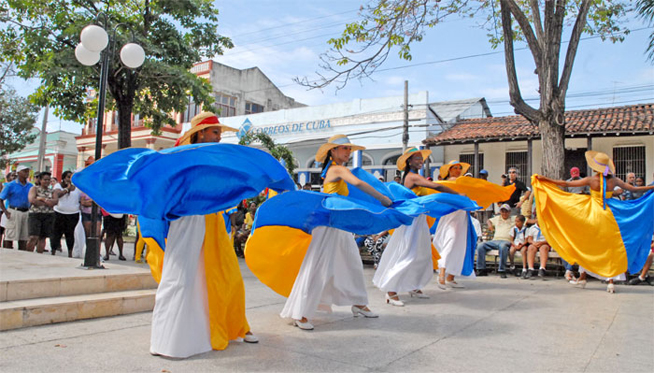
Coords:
604,236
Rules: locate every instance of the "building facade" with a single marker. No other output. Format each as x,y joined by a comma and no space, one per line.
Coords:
377,124
625,133
236,92
60,154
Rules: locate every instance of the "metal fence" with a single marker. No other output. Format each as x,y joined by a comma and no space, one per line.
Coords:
629,159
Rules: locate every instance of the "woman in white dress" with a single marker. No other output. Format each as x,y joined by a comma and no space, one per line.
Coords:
406,265
332,272
451,236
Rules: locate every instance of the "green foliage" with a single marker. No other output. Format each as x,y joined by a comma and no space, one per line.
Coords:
17,118
276,150
40,38
646,11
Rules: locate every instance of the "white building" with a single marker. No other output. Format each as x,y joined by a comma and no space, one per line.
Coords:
375,123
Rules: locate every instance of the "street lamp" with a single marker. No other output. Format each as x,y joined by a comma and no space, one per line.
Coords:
93,48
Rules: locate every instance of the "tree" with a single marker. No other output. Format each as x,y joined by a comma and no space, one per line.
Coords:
17,118
40,38
279,152
387,24
646,11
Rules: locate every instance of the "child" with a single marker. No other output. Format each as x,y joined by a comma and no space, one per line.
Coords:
536,242
518,243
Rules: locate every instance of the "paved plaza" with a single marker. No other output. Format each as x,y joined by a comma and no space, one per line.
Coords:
493,325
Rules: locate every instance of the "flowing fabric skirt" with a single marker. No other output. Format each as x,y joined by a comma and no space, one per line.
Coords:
451,241
620,277
406,264
331,274
180,320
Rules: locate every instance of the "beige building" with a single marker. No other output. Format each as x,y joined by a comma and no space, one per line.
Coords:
625,133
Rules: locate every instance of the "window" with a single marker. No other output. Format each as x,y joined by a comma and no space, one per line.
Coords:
252,108
192,109
629,159
226,104
519,161
470,159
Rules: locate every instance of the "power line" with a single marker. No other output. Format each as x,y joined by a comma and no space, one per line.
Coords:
295,23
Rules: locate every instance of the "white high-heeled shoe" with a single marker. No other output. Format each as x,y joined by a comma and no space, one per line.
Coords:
356,311
454,285
610,288
418,294
440,285
250,338
394,302
580,283
303,325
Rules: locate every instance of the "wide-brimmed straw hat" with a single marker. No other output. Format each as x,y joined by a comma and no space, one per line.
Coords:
333,142
445,169
401,162
200,122
600,162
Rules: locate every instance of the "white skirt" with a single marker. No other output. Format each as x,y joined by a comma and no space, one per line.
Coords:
331,274
451,241
620,277
406,263
180,320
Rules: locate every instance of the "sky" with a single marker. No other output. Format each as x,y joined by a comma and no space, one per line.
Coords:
285,39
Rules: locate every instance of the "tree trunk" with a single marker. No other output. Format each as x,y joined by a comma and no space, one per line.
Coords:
124,125
553,142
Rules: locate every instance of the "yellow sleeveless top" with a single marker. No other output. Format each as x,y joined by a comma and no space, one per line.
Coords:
421,191
336,187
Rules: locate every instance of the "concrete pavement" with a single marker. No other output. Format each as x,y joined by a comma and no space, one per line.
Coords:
492,325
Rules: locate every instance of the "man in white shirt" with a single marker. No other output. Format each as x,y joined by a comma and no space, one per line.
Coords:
501,225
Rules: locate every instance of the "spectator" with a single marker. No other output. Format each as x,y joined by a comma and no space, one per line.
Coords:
66,213
476,224
3,217
640,181
575,175
114,226
53,182
644,277
503,179
375,244
627,194
519,243
520,188
483,174
501,225
41,216
15,194
397,179
307,186
537,242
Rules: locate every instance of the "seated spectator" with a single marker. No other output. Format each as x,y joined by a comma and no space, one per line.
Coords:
375,244
519,243
501,225
644,277
537,243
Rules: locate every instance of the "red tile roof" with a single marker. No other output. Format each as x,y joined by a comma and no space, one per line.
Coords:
631,120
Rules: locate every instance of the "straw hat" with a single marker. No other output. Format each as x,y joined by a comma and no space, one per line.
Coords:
200,122
401,162
445,169
333,142
600,162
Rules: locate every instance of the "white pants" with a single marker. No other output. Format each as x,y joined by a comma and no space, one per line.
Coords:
406,263
331,273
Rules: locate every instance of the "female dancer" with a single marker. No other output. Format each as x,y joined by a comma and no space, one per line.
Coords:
331,271
406,264
575,224
451,237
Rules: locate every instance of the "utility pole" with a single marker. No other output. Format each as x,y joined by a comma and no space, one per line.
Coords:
41,158
405,134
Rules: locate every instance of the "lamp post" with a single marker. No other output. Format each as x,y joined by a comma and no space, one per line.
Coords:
93,48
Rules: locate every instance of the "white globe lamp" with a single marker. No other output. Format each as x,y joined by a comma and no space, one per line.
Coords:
132,55
94,38
85,56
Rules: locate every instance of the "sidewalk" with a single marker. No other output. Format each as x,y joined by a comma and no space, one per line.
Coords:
493,325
